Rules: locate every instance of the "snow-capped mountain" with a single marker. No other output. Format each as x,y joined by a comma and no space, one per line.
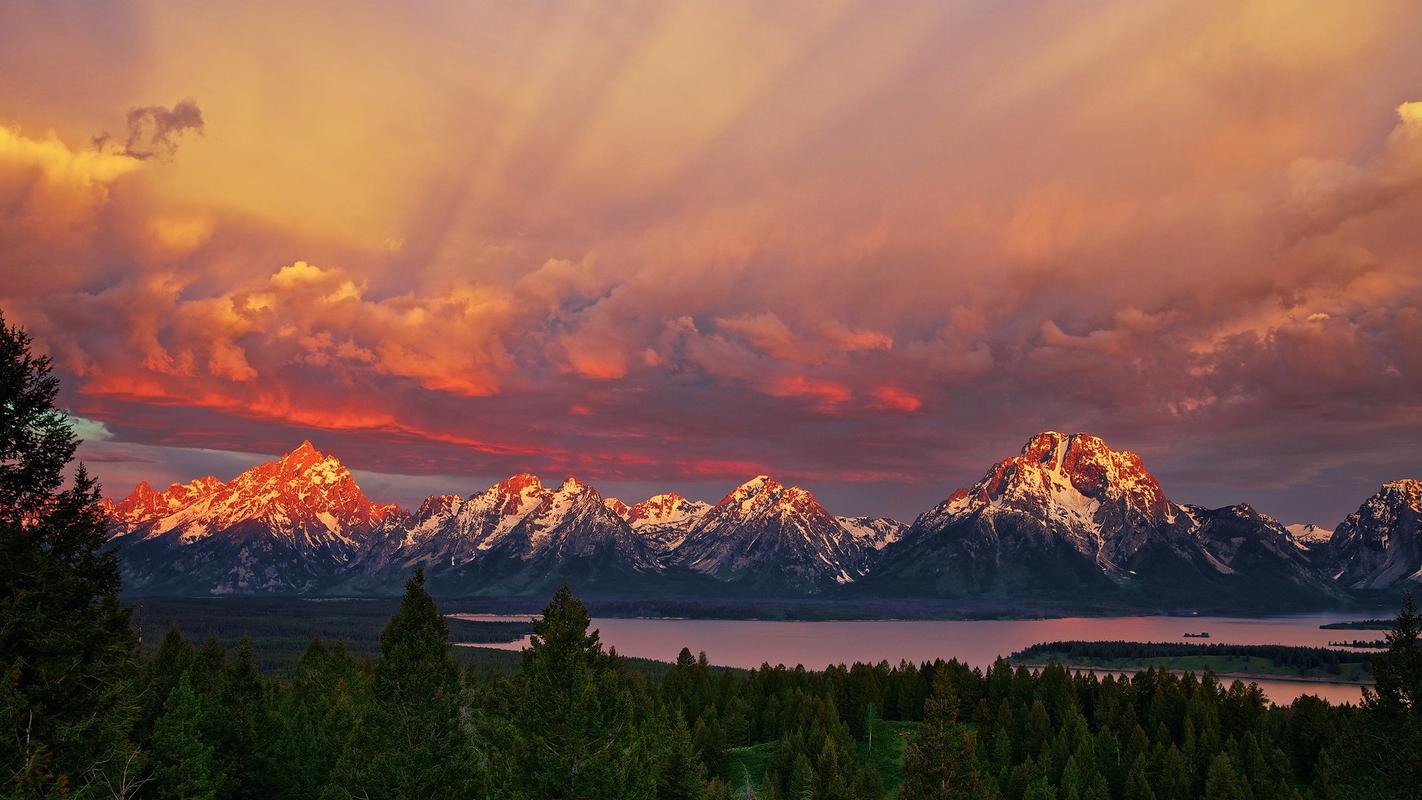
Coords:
516,536
1310,535
145,504
771,537
283,525
1066,519
1379,546
665,518
1070,517
875,533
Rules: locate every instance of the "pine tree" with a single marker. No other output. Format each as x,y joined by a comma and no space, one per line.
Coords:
573,718
409,743
68,658
1040,789
867,784
1221,782
718,789
1138,784
710,743
160,675
941,761
682,776
801,785
250,724
1388,757
1069,787
186,763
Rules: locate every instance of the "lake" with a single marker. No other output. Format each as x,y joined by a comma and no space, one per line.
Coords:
816,645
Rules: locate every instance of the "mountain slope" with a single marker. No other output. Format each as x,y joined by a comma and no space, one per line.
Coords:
768,537
1071,519
516,537
281,526
666,518
1379,546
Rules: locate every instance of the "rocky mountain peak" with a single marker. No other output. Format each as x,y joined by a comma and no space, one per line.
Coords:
1076,470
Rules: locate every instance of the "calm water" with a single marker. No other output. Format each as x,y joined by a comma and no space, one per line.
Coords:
749,643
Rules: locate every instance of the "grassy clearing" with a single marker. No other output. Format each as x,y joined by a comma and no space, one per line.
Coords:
748,764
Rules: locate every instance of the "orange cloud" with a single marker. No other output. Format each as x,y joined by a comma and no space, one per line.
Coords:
892,398
827,395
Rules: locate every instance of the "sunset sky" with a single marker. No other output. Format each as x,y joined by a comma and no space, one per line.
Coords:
869,248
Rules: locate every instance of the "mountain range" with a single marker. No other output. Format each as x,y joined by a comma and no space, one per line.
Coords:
1066,521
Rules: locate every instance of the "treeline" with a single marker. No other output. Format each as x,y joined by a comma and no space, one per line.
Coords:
576,721
1300,659
280,628
1358,625
84,714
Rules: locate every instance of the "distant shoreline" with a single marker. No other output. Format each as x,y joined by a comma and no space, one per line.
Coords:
1243,676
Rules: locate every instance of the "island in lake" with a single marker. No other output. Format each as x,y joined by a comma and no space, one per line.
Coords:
1243,661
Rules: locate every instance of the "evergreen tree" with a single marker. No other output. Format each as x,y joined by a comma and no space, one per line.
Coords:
250,725
1222,782
68,658
941,762
186,762
801,785
718,789
867,784
409,743
1040,789
710,743
1138,784
1388,758
682,776
573,716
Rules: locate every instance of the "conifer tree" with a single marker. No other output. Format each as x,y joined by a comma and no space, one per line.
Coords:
1222,782
250,724
941,761
573,714
710,742
801,785
68,658
683,776
1388,759
409,743
867,784
186,762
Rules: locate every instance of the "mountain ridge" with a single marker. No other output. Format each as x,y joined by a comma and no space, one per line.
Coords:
1065,517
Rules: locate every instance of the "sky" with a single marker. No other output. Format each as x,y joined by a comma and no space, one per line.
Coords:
868,248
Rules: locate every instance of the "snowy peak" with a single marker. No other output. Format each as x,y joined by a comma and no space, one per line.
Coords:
617,507
144,504
763,496
305,496
1309,535
1379,546
1077,478
667,508
873,532
765,533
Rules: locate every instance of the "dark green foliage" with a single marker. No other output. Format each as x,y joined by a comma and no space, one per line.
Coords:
68,657
574,711
575,721
1388,761
682,776
409,741
36,439
942,761
1277,658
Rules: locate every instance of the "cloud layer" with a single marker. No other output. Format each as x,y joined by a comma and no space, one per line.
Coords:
869,249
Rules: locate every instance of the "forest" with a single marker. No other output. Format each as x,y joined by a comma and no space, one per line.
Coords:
1283,659
84,713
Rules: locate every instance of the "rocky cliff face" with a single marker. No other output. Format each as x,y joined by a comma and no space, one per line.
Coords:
1379,546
